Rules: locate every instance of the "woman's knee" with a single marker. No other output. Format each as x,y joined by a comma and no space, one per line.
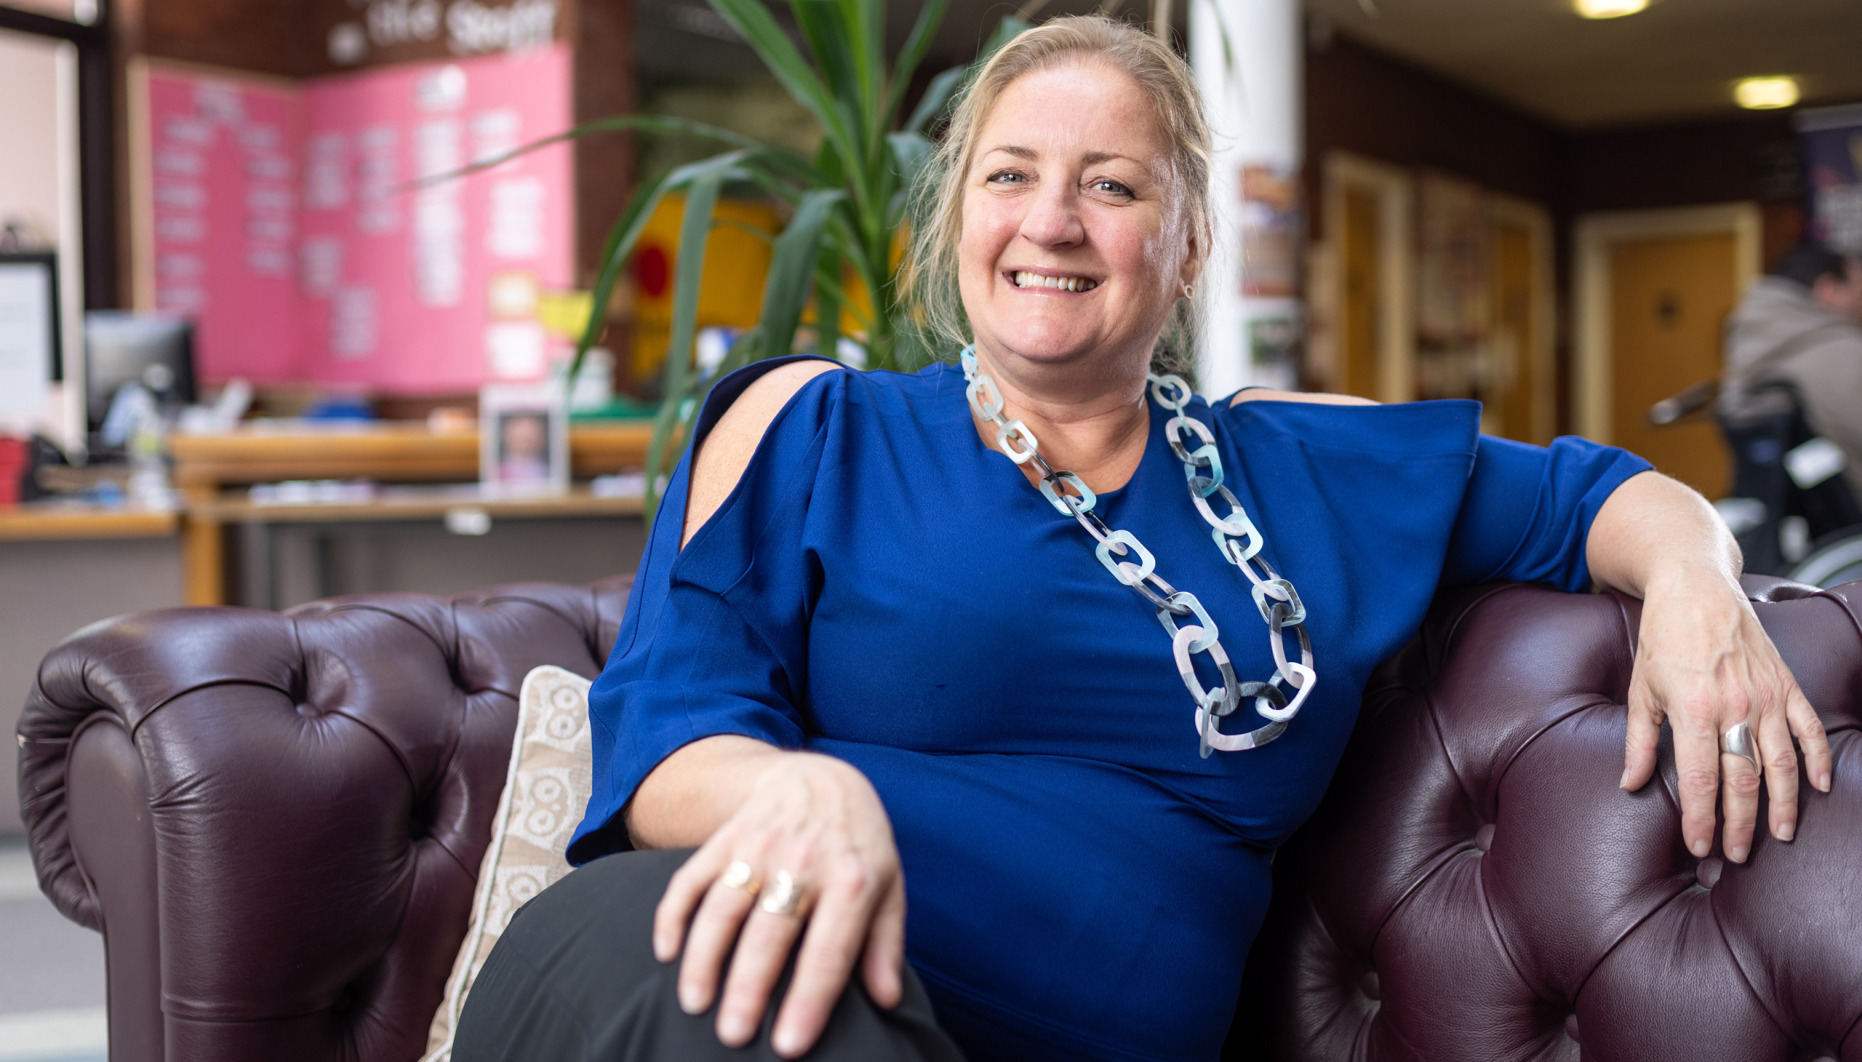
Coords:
599,917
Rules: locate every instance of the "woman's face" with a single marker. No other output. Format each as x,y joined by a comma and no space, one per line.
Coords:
1073,247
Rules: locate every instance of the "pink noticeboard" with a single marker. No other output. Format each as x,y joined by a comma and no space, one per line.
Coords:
281,223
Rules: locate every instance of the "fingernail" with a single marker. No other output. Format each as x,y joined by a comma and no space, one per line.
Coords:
1737,853
1623,783
786,1042
689,1001
1786,832
1699,848
733,1030
1823,782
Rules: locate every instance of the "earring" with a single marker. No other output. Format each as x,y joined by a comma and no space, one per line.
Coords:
1189,291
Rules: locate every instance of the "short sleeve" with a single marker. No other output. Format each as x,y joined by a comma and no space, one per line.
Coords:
1528,510
714,637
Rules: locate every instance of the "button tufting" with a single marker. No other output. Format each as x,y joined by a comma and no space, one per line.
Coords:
1571,1027
1708,872
1371,986
1483,837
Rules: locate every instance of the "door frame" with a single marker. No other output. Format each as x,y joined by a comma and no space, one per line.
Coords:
1542,364
1396,347
1594,236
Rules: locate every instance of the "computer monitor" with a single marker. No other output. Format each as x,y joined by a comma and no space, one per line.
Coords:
120,348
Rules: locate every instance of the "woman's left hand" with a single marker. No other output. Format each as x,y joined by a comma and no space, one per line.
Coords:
1705,664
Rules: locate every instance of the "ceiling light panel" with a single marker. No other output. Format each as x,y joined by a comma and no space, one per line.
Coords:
1765,93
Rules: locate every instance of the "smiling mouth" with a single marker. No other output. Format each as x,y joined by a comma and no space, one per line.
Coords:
1024,279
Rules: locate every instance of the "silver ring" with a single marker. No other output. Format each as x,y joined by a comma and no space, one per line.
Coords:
785,898
739,876
1738,741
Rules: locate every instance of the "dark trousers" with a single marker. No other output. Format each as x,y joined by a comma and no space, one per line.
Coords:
574,980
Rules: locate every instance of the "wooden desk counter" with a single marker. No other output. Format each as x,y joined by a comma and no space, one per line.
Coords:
386,452
421,504
53,520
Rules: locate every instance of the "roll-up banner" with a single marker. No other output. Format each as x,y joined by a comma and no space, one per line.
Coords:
1831,144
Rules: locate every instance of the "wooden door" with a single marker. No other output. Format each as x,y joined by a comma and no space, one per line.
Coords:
1669,297
1362,294
1516,336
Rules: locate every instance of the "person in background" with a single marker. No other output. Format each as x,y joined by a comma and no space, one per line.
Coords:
1802,325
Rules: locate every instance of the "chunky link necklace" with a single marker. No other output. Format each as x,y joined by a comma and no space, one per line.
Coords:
1235,536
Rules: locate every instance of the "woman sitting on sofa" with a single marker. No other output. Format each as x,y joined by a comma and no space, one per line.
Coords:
967,630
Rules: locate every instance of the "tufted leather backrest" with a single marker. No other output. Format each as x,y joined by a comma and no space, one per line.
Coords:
1476,886
277,818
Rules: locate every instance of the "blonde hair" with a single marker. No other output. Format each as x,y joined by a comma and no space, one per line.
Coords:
930,282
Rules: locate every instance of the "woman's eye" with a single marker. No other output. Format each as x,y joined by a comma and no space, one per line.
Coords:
1006,177
1111,187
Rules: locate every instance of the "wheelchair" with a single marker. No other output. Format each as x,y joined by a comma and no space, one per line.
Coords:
1790,508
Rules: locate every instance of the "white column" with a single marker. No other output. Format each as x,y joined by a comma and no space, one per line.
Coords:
1256,102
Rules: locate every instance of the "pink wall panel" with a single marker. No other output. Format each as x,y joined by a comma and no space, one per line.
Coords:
399,284
283,223
222,155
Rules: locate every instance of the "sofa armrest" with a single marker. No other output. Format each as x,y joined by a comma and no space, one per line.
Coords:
1475,886
276,819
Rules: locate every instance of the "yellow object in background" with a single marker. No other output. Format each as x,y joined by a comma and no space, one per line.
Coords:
564,314
731,291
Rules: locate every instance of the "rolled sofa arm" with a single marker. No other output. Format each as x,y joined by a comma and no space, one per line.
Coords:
1475,887
276,819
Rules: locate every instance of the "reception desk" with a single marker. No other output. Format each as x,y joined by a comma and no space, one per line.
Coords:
212,471
63,566
66,565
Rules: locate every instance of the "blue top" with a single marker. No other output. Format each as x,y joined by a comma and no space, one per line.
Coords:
883,588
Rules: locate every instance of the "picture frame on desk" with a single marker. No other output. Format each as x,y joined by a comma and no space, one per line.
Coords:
523,432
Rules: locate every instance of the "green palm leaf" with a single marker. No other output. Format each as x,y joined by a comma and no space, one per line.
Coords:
701,200
791,268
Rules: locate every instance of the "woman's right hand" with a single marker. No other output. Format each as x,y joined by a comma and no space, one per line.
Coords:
819,820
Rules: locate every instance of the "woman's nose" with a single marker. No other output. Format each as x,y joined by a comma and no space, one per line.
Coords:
1053,218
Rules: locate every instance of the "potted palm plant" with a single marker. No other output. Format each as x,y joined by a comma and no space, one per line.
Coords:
845,205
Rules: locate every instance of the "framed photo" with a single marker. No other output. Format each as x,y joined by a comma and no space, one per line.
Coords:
523,432
30,358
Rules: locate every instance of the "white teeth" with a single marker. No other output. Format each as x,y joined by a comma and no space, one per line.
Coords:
1035,280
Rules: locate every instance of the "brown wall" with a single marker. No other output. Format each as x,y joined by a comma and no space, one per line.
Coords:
1748,156
263,37
1362,101
1745,157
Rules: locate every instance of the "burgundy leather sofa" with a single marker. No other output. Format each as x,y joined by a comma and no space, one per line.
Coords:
275,820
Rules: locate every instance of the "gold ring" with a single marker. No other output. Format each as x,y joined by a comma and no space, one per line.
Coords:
786,897
739,876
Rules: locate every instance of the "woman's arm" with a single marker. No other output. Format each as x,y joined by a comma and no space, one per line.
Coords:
1703,663
741,800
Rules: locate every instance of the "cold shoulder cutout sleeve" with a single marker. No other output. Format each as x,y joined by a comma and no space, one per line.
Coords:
713,639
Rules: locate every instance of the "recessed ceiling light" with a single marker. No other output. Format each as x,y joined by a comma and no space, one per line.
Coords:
1609,8
1765,93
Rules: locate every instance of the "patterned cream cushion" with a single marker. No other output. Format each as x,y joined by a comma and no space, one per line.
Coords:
544,795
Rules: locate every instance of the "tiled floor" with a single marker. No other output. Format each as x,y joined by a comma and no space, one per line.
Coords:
51,973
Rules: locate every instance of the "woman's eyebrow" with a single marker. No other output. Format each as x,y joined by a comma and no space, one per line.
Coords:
1091,158
1016,150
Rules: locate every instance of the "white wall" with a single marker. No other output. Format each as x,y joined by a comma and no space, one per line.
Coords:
39,181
